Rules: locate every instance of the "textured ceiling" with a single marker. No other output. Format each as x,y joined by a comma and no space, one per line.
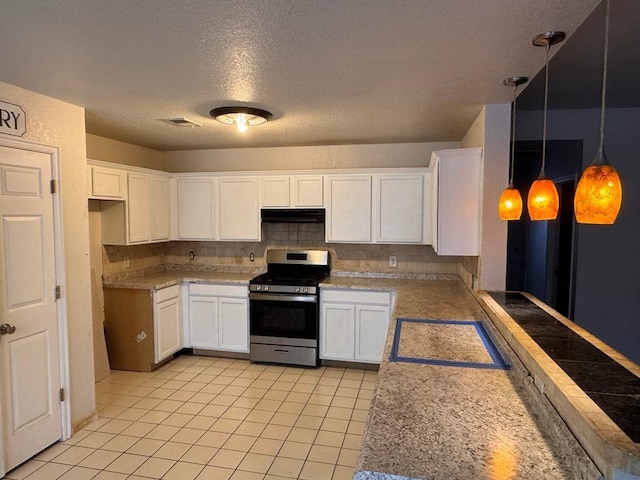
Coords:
332,71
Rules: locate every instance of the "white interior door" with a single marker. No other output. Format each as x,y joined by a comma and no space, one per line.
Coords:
29,356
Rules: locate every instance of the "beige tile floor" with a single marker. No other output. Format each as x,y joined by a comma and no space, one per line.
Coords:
208,418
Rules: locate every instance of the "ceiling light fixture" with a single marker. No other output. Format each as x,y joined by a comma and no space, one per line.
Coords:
241,117
599,193
510,205
543,200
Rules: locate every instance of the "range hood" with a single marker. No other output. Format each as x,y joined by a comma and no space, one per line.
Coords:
293,215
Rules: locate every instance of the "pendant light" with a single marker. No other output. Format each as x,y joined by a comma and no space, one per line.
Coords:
599,192
543,201
510,205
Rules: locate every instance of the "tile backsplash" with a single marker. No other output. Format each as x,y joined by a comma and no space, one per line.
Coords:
411,259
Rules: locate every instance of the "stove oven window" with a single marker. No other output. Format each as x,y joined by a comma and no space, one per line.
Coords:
284,319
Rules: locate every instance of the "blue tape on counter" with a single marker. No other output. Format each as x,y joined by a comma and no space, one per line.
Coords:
497,360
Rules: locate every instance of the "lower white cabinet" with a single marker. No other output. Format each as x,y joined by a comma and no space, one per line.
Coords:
354,324
218,317
167,322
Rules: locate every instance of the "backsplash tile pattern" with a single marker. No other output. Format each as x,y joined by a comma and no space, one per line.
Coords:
412,259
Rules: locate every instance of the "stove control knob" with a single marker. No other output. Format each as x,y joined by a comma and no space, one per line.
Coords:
266,287
258,288
298,290
305,290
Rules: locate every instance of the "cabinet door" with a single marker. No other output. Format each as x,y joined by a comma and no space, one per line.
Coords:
307,191
138,207
203,322
275,191
372,323
348,208
337,331
159,205
459,201
238,211
399,208
233,321
195,209
168,328
108,183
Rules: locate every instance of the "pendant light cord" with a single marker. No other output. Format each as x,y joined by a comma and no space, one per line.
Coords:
513,134
546,98
604,78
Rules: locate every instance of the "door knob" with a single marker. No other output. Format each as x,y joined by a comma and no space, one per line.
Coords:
6,329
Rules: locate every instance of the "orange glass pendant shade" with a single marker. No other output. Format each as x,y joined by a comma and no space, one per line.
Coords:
543,201
598,195
510,205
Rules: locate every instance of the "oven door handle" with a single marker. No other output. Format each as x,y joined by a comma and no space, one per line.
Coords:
283,297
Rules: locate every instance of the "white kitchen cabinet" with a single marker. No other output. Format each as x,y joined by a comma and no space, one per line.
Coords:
159,206
238,210
275,191
196,208
457,201
399,208
307,191
354,324
348,200
167,320
295,191
138,217
143,217
106,183
218,317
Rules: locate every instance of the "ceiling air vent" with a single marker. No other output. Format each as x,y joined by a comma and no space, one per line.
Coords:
182,122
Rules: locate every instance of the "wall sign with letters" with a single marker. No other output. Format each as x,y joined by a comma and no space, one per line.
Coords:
12,119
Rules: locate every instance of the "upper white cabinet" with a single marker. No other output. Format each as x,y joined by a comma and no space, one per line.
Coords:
144,215
379,208
348,201
238,211
160,206
457,201
399,209
195,208
106,183
292,191
307,191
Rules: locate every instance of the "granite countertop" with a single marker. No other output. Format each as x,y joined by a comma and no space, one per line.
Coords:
451,422
174,274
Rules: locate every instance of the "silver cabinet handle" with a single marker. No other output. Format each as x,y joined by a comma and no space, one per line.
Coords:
6,329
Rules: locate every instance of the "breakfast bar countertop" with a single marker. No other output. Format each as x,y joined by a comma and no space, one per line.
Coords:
443,421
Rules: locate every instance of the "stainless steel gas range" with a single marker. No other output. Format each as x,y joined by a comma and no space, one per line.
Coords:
284,307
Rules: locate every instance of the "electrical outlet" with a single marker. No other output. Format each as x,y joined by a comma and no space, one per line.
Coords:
126,262
393,261
252,257
192,255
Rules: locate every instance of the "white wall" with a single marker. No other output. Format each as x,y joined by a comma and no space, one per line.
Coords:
608,258
490,130
62,125
398,155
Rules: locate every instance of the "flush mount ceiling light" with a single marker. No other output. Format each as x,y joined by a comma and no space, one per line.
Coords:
241,117
599,192
543,201
510,205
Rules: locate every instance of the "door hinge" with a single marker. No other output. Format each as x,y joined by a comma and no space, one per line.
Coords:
57,292
61,394
54,186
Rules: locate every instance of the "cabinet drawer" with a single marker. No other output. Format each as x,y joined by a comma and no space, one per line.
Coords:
356,296
167,293
218,290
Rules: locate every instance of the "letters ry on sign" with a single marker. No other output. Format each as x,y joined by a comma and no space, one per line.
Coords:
12,119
